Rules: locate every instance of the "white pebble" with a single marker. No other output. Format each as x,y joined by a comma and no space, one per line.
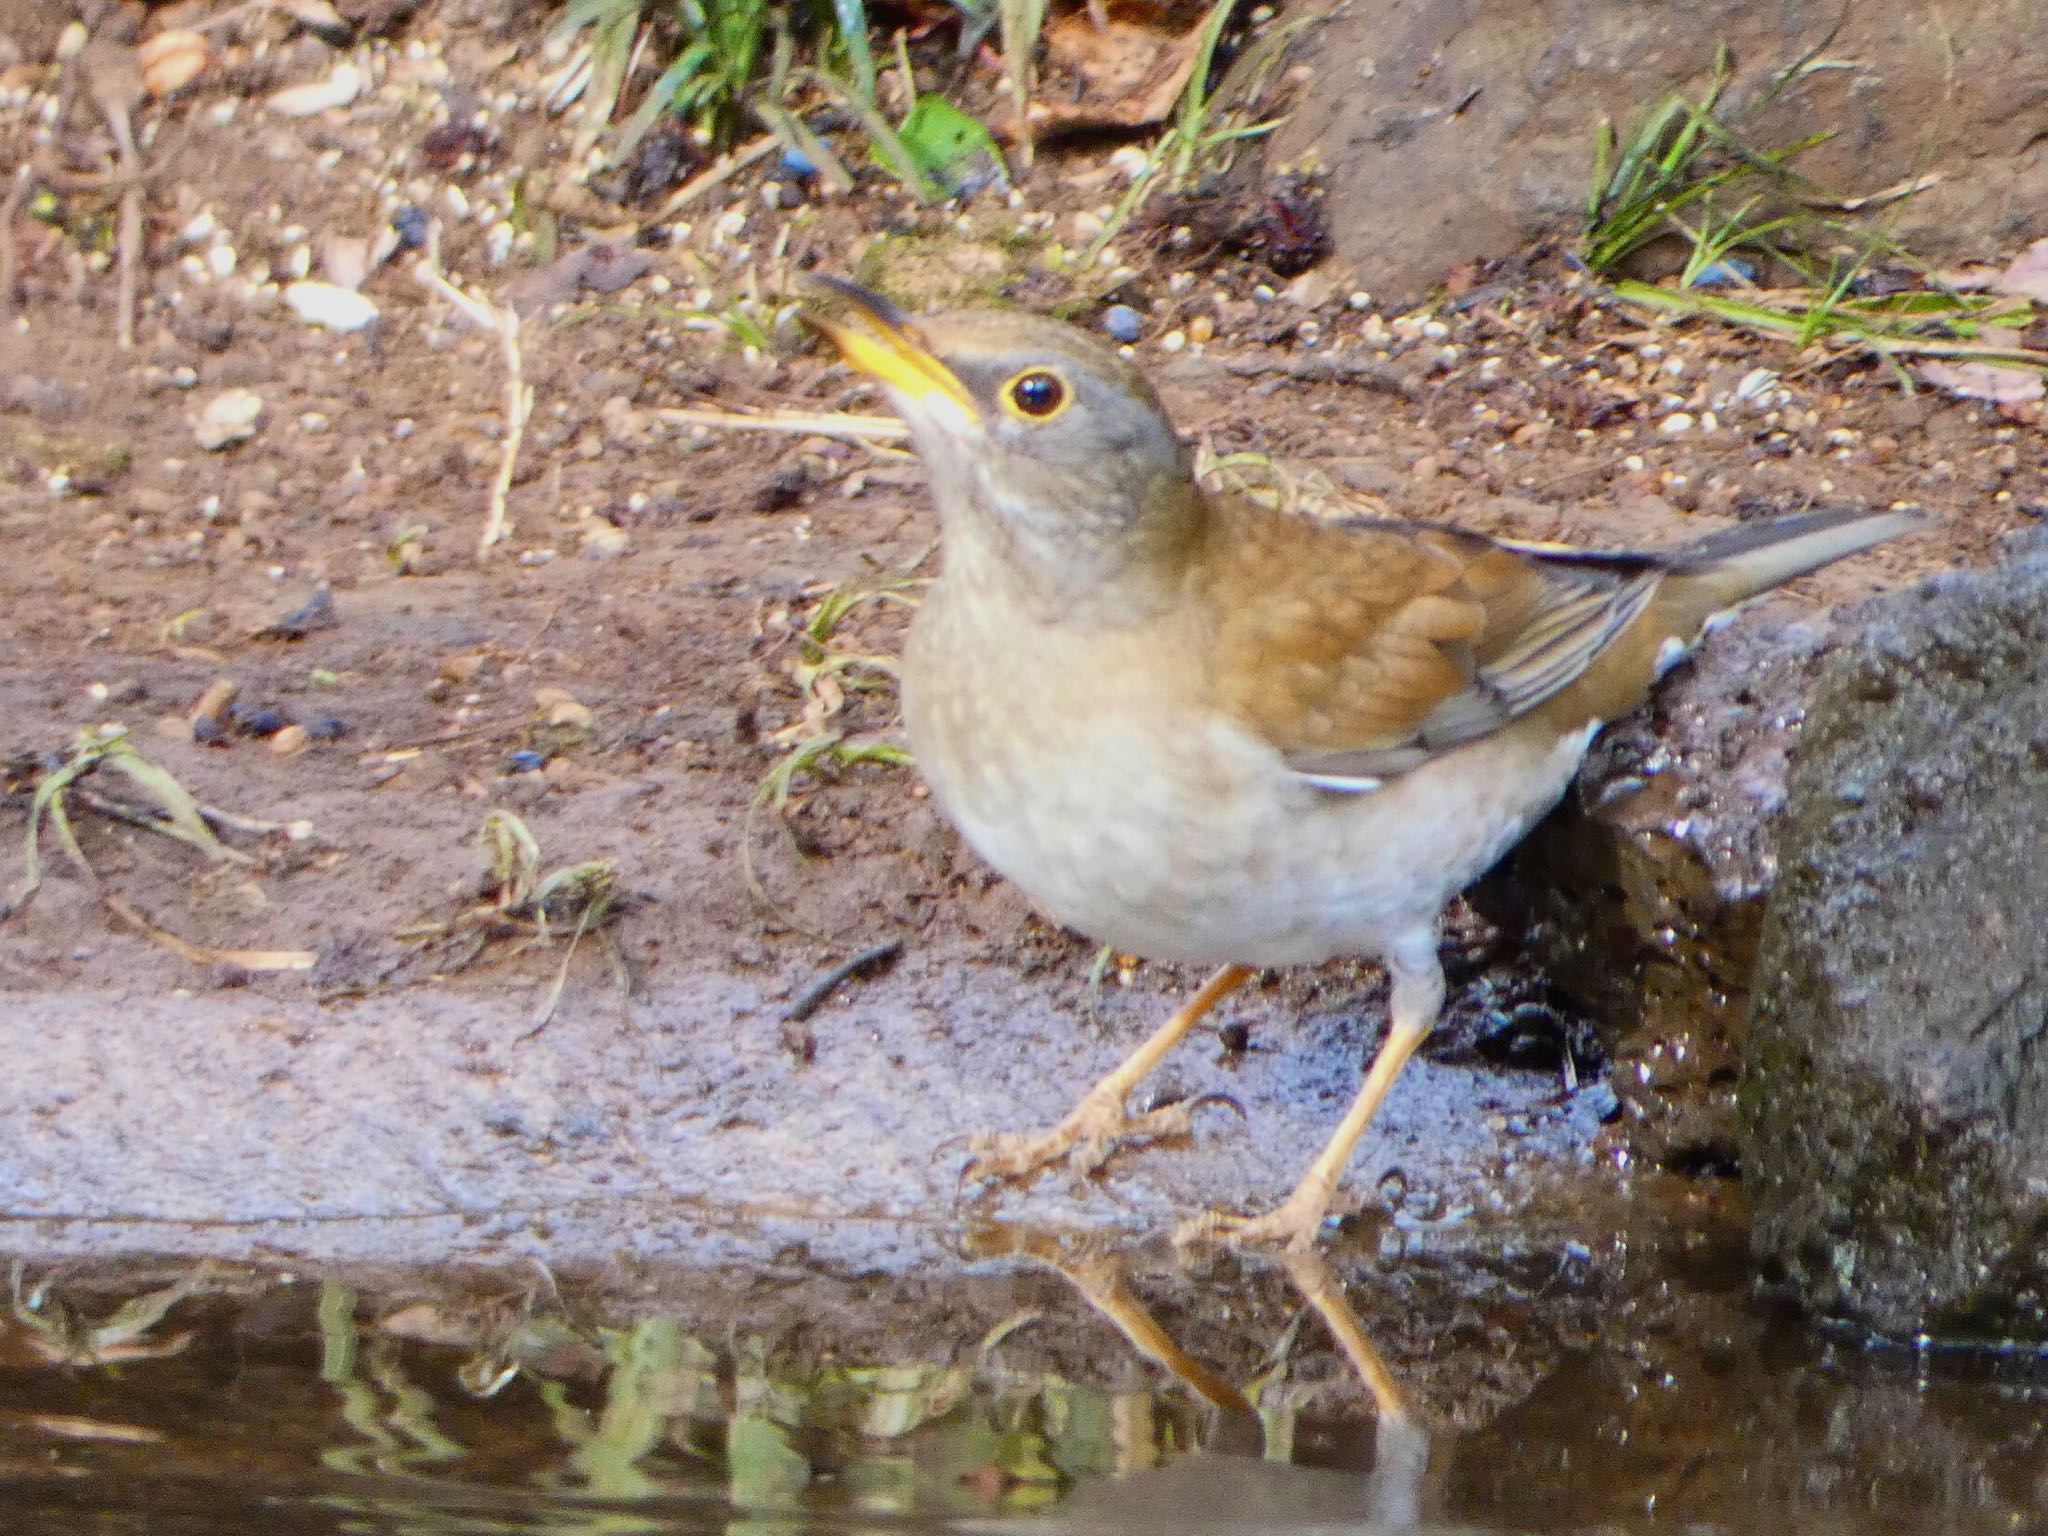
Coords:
1128,161
1435,330
339,89
1676,423
1173,341
220,261
229,418
331,307
1359,299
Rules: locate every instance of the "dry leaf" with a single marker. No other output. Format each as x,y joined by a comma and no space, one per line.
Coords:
1131,75
2027,276
170,61
1985,381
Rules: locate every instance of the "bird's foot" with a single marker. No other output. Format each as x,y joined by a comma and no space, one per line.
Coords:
1084,1140
1293,1224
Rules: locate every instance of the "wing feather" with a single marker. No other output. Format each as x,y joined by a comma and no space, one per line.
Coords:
1394,643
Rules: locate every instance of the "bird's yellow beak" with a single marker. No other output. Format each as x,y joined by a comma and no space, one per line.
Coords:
879,340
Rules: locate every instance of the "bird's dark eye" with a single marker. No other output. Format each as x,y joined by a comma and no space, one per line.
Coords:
1037,393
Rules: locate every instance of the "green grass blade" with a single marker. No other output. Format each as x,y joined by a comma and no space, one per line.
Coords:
852,19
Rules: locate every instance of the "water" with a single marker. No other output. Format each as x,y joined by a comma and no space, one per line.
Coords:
1043,1383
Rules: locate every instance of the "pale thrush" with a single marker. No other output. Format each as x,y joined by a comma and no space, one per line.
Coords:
1204,730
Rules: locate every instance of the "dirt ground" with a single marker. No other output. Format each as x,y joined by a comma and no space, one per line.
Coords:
625,671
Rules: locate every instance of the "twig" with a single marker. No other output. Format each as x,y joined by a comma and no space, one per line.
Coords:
205,954
728,165
11,206
518,393
813,997
129,240
1322,368
885,429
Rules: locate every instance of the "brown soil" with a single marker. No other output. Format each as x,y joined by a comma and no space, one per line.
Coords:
386,1105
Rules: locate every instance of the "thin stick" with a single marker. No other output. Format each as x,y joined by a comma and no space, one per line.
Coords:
11,206
813,997
886,429
518,407
705,180
518,393
206,954
129,240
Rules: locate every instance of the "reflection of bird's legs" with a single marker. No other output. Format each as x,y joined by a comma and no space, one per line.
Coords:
1320,1289
1417,998
1097,1272
1401,1458
1099,1122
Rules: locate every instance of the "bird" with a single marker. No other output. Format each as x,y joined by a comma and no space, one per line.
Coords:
1205,730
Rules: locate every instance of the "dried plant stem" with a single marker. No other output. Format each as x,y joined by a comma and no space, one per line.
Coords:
518,407
518,393
704,181
10,206
886,429
129,239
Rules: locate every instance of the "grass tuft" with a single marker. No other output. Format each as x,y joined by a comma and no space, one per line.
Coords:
1741,211
526,905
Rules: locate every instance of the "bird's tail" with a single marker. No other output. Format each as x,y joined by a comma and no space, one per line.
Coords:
1727,569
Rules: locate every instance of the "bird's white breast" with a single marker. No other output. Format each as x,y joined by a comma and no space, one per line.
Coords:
1176,835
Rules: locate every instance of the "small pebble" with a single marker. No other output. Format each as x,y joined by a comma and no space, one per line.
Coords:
525,761
337,90
1676,423
328,728
257,721
798,164
229,418
411,224
1123,324
329,306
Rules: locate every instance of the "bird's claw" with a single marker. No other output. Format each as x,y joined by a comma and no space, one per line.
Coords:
1294,1224
1085,1140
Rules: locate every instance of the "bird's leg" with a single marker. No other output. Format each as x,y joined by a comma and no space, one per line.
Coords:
1418,996
1099,1122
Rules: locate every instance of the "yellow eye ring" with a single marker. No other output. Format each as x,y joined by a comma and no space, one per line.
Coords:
1036,395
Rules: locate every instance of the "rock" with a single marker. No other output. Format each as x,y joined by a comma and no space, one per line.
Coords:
1641,896
329,306
230,417
1894,1104
343,84
1475,118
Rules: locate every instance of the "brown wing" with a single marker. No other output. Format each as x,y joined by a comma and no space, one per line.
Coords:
1361,650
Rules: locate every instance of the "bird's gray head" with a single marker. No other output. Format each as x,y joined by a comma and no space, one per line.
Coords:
1036,436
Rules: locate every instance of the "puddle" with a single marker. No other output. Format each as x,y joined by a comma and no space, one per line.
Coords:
1037,1382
